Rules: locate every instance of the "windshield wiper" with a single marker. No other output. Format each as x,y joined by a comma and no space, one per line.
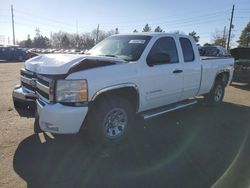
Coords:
108,55
115,56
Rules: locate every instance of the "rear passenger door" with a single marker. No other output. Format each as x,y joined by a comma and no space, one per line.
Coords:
191,69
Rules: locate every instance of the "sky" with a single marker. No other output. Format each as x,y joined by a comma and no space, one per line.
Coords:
204,17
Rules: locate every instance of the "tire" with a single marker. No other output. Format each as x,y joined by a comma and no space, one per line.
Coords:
37,128
110,120
216,95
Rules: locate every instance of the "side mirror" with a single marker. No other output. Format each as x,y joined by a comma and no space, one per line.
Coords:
158,58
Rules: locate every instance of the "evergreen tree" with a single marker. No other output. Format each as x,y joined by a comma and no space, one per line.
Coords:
116,31
146,28
194,35
158,29
245,37
28,42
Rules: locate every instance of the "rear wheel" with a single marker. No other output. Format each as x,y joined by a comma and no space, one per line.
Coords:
216,95
110,120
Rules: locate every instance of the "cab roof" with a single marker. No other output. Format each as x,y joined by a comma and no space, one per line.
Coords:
154,34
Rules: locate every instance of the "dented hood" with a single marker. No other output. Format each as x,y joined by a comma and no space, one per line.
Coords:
54,64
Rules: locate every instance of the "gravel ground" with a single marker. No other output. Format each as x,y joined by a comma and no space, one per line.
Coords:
195,147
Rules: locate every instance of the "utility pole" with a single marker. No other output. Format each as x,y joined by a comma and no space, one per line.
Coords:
230,28
13,27
224,37
97,34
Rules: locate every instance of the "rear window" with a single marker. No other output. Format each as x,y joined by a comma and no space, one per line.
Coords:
187,50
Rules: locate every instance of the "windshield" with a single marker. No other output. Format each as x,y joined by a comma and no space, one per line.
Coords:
127,47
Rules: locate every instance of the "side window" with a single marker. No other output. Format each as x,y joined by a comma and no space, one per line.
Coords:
164,47
187,50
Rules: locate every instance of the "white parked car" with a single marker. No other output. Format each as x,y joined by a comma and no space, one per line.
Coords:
145,73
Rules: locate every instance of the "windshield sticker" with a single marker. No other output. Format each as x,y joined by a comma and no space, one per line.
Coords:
137,41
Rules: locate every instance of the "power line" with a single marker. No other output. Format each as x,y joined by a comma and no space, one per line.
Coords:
176,21
114,24
218,16
3,15
183,24
242,17
42,17
42,23
173,20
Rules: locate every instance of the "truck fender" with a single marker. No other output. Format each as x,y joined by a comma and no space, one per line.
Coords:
115,87
223,78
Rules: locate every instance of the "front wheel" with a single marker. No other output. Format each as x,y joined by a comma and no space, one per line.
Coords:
216,95
110,120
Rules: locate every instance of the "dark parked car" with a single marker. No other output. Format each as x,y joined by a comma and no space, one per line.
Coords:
13,53
242,64
213,51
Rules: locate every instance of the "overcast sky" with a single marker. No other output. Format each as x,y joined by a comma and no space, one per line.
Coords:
204,17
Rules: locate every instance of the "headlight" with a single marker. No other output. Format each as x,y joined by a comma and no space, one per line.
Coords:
71,91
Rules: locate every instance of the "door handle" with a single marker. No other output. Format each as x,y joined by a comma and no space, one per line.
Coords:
177,71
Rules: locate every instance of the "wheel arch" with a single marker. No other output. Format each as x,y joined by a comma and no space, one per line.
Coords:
129,91
223,76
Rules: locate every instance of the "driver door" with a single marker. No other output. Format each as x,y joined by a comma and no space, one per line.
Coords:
163,81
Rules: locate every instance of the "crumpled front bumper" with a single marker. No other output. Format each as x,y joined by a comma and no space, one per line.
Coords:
54,117
60,119
24,101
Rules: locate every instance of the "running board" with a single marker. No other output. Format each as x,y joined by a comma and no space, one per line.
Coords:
169,108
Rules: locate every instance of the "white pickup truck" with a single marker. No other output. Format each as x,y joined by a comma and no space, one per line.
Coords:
145,73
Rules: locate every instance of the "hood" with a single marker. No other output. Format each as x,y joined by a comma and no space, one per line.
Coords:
53,64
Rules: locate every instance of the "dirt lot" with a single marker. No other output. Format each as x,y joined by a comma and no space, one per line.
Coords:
196,147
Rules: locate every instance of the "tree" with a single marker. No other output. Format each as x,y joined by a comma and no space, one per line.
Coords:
244,40
26,43
74,40
65,41
56,39
87,41
116,31
101,34
146,28
158,29
37,32
194,35
135,31
219,38
41,42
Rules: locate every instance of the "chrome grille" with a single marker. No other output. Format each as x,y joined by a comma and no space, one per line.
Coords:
28,80
41,85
